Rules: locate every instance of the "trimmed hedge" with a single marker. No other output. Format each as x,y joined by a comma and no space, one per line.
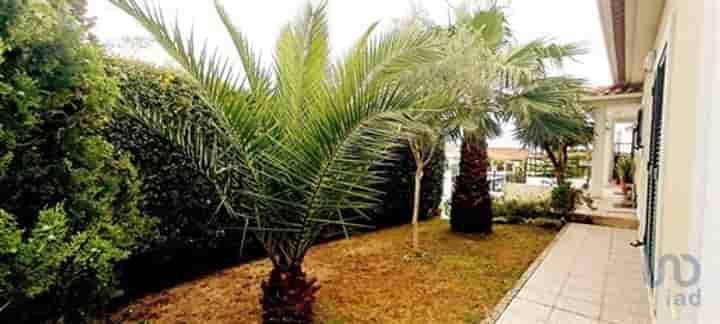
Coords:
398,201
173,189
68,201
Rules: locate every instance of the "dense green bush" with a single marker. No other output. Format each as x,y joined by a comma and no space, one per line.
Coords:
174,190
565,198
624,170
518,211
397,203
538,213
68,202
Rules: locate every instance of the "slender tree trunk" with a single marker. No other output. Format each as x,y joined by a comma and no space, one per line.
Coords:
419,173
559,168
471,202
288,297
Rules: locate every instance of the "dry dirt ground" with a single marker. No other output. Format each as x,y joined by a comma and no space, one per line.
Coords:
370,278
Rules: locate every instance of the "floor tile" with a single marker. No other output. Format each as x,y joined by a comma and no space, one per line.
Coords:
590,275
584,308
561,317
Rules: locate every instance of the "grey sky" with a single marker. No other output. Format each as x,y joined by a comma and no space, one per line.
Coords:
261,20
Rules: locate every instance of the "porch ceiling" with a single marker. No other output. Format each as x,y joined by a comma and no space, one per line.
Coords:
630,28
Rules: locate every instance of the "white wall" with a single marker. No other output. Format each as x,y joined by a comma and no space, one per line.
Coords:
707,176
681,28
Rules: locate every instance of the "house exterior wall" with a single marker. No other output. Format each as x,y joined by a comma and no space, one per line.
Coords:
707,176
681,30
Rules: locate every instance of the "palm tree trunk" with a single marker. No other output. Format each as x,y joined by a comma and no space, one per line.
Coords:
416,206
288,296
471,202
559,164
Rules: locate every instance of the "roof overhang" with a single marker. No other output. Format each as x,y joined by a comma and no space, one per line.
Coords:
614,100
630,28
622,107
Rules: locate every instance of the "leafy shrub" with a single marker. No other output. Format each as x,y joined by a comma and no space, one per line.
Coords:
68,202
564,199
520,211
174,190
625,168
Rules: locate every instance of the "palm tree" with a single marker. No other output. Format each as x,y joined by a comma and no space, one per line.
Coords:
548,115
499,67
293,146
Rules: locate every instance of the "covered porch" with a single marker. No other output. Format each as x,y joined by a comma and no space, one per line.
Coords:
614,110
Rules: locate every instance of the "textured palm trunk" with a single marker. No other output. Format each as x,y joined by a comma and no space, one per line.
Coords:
416,207
471,202
288,297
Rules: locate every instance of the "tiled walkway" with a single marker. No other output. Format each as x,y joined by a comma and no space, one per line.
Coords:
591,275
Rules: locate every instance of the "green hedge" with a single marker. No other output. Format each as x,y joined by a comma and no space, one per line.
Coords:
68,201
398,201
173,190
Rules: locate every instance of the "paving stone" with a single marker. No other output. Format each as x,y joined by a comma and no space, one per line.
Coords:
584,308
591,275
562,317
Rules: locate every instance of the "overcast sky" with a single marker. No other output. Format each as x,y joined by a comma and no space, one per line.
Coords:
261,20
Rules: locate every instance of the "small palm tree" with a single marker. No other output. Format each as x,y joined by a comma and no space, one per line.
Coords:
294,146
548,115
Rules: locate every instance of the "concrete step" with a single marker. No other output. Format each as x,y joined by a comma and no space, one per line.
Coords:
604,218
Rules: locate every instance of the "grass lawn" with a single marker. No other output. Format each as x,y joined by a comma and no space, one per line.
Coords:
369,279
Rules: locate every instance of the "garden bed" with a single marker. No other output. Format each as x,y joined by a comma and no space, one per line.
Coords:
369,279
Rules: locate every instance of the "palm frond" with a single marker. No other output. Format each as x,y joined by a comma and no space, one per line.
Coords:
301,60
258,77
359,122
207,67
549,111
489,22
305,144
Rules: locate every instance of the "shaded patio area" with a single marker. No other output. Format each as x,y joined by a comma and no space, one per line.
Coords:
589,275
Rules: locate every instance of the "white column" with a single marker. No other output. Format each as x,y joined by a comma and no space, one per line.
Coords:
599,156
609,151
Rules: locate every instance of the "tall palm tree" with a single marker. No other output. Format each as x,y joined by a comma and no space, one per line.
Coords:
499,67
293,146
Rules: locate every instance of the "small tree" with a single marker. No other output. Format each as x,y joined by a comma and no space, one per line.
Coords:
548,115
423,145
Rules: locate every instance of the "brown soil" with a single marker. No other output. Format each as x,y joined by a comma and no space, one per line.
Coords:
372,278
